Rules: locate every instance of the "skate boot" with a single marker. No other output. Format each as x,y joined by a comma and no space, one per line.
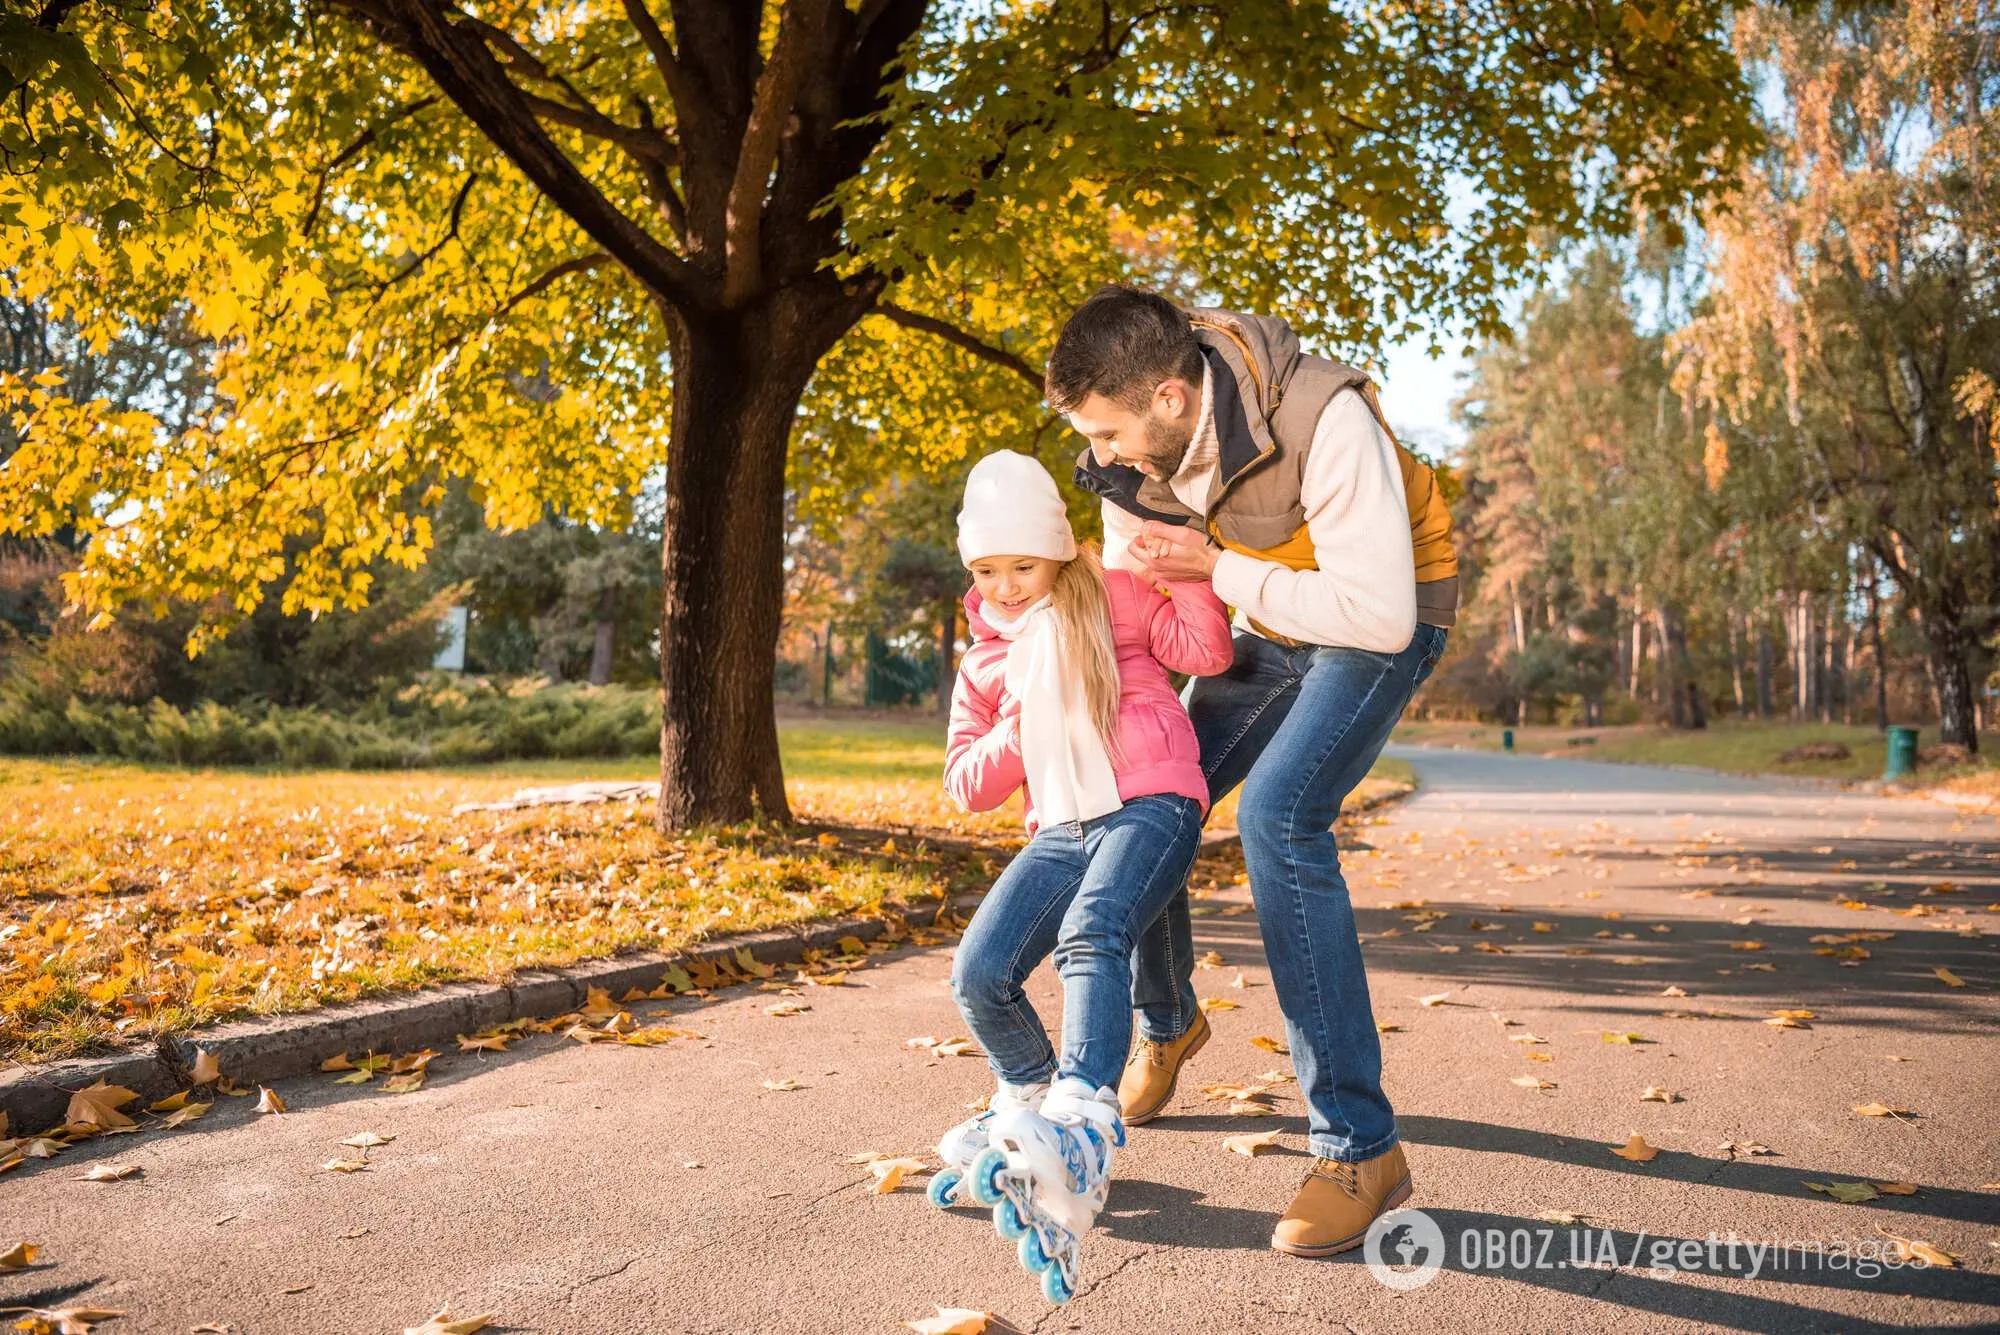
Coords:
962,1144
1046,1174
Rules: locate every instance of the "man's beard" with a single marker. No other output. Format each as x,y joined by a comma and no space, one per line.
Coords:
1166,445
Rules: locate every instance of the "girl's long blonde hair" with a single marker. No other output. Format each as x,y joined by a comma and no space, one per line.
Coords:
1083,618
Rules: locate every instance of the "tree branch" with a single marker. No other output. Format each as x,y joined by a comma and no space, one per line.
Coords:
347,155
662,51
464,67
952,334
799,31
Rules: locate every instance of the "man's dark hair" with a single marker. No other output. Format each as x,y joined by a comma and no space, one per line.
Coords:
1121,343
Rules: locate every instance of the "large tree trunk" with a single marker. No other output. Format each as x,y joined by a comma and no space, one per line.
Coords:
1951,673
603,637
1875,644
1765,667
738,378
947,651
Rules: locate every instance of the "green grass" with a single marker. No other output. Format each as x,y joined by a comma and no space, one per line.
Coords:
1731,746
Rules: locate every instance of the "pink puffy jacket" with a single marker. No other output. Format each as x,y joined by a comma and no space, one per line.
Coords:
1154,633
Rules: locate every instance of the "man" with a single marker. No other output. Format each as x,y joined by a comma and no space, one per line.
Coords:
1223,451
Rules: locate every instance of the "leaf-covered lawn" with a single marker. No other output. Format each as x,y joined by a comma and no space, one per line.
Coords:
136,900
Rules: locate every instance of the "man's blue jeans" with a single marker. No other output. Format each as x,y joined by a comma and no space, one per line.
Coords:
1298,728
1083,890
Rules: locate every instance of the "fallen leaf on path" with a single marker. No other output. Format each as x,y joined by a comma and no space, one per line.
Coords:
952,1321
367,1140
751,965
1564,1217
1240,981
268,1100
1783,1021
787,1008
598,1004
1674,991
1525,1038
1248,1145
1746,945
1947,977
1381,1028
18,1257
345,1165
1534,1056
1210,960
1212,1004
783,1086
1736,1147
360,1077
1654,1094
889,1173
1909,1249
172,1103
1853,1193
1896,1188
408,1083
1268,1044
1883,1110
337,1063
98,1105
1533,1082
1251,1108
1622,1036
1434,999
105,1172
61,1320
1636,1149
1223,1089
483,1043
442,1324
207,1070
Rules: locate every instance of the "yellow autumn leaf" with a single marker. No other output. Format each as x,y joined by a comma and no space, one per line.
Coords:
172,1103
207,1070
1882,1110
1654,1094
1636,1149
1947,977
19,1257
951,1320
1268,1044
99,1105
1249,1145
889,1173
1852,1193
268,1100
787,1008
441,1323
1434,999
1209,1005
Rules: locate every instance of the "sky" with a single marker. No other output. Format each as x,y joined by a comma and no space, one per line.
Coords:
1417,389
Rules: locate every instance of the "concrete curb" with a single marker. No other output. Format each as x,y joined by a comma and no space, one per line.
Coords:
261,1051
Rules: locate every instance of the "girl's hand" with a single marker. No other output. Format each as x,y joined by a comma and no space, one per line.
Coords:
1174,551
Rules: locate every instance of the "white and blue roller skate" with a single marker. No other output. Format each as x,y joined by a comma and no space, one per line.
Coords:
962,1144
1046,1174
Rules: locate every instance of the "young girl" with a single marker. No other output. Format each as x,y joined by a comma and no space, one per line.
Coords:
1064,693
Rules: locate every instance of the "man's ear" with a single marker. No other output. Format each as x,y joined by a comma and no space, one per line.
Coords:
1172,398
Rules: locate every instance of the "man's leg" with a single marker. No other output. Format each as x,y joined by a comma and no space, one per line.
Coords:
1235,715
1340,719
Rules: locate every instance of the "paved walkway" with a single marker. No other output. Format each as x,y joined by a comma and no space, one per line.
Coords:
621,1189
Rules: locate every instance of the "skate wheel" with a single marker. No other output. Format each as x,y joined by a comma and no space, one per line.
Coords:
1033,1258
1054,1287
1007,1220
984,1176
943,1191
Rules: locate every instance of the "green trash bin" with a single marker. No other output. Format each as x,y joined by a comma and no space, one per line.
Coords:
1902,753
1506,739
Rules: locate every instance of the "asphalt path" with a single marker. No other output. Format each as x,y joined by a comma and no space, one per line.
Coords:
608,1189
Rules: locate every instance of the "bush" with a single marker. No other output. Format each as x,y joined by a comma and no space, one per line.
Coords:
438,720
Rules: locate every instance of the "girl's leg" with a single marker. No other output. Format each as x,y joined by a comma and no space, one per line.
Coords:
1013,931
1139,858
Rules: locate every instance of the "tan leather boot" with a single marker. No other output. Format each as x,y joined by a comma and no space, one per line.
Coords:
1152,1070
1338,1201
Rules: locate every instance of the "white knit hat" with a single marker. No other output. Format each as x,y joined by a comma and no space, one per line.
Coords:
1012,508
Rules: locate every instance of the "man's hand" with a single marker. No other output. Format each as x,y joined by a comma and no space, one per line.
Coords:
1174,551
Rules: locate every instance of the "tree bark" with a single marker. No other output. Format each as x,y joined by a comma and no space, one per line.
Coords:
738,378
947,652
1875,644
1735,663
603,631
1951,675
1765,666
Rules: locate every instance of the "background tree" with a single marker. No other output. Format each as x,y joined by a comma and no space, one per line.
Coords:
430,243
1853,322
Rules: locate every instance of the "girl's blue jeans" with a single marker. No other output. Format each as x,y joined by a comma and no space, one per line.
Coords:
1082,891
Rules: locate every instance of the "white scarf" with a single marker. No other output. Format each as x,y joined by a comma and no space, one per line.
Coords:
1069,773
